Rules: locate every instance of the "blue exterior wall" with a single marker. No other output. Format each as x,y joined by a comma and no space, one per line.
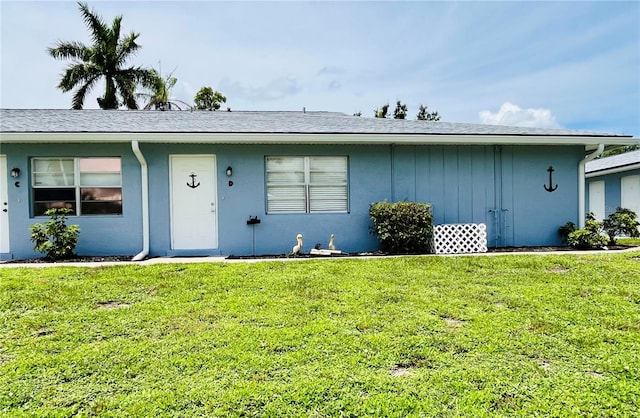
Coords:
99,235
499,186
612,189
369,182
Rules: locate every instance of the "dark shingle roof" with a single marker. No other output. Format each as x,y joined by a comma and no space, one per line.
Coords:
126,121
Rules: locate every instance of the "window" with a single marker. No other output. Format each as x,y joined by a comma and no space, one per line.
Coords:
88,186
307,184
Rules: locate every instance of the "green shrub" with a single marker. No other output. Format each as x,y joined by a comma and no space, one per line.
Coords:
402,227
55,238
621,222
591,236
566,229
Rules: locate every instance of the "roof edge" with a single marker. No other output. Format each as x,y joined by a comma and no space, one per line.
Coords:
311,138
613,170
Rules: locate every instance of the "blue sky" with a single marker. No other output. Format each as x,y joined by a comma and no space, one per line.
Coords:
571,64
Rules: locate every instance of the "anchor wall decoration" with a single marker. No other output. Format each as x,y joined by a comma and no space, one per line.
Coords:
551,187
193,184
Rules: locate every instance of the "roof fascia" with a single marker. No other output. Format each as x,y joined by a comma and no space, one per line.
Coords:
315,138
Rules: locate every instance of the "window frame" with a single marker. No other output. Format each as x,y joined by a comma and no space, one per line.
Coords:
308,185
77,185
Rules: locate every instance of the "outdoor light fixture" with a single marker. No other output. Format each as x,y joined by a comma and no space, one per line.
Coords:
229,171
15,172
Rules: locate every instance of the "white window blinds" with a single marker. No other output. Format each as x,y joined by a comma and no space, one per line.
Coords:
307,184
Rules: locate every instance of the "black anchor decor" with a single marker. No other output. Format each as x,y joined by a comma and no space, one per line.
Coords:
193,184
551,187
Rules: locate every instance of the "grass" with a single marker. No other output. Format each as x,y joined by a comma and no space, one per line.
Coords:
628,241
516,335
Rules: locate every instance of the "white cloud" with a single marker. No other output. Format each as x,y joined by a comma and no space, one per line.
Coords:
513,115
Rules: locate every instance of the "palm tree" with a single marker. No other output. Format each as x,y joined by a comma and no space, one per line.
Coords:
106,57
159,95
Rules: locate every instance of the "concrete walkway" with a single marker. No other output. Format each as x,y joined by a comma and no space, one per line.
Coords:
223,259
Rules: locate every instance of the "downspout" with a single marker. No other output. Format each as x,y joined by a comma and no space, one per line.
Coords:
581,184
144,178
392,157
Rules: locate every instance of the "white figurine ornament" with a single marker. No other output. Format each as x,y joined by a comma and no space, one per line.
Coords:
298,247
331,250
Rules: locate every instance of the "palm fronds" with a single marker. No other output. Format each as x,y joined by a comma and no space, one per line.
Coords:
105,58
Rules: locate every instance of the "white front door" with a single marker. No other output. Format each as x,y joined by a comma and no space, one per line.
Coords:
194,219
4,206
630,198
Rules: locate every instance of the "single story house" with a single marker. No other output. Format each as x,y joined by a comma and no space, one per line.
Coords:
220,183
613,182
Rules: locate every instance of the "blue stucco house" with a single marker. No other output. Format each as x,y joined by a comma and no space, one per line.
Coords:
613,182
196,183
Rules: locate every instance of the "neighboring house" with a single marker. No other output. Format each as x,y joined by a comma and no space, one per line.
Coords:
189,183
613,182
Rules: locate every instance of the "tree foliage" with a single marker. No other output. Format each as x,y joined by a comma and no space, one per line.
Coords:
622,222
428,116
106,58
158,96
620,150
208,99
400,111
382,112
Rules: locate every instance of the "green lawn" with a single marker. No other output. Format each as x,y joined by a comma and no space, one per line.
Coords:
628,241
511,335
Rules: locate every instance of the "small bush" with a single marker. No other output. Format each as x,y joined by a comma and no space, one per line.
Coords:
566,229
54,238
621,222
403,227
591,236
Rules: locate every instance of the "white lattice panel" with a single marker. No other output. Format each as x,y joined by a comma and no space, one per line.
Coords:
460,238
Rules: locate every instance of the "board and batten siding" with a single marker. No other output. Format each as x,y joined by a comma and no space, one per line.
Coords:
501,186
